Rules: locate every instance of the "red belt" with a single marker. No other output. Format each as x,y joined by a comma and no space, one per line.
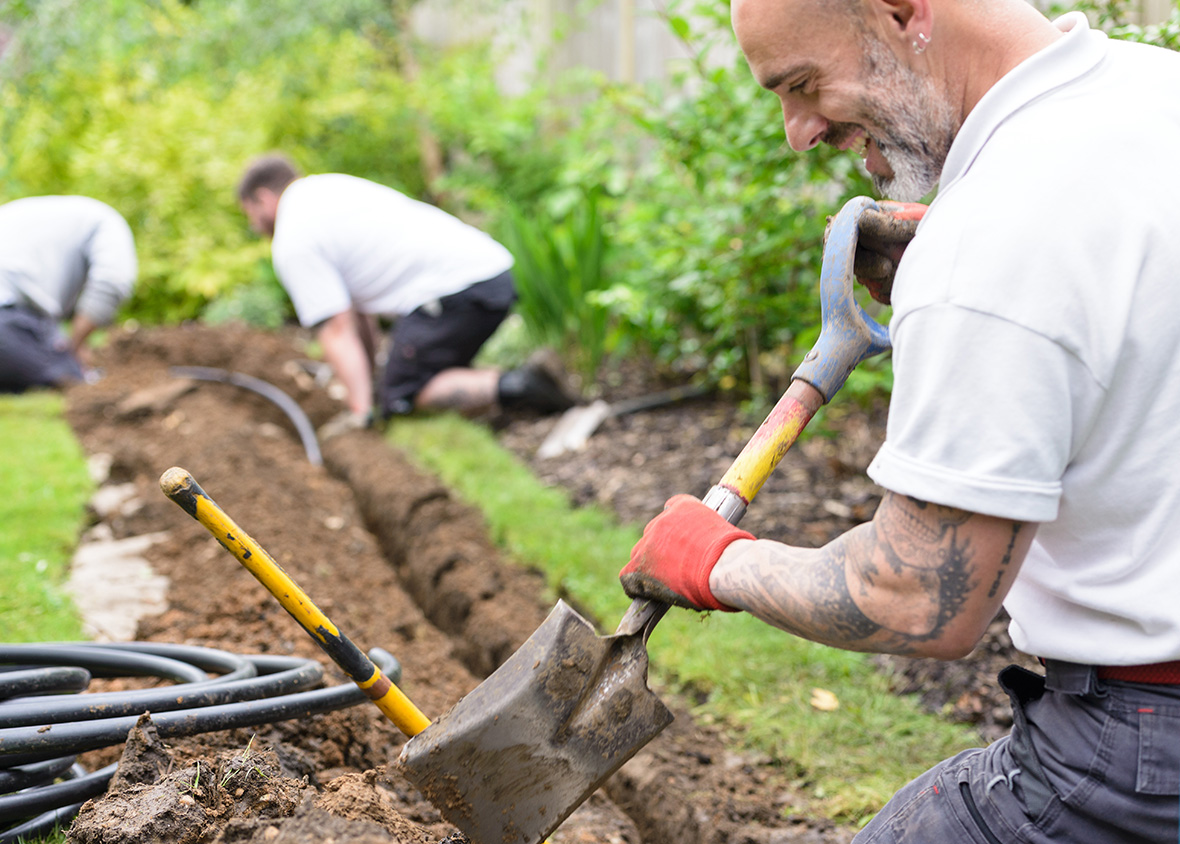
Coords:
1161,673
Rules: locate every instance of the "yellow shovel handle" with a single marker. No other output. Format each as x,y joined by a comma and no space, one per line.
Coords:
183,489
771,441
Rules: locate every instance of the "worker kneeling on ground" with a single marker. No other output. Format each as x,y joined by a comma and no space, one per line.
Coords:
61,258
1031,455
348,250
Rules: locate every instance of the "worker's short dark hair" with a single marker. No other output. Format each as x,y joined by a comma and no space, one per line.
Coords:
274,171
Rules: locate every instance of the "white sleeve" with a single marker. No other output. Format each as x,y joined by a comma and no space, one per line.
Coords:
315,286
984,414
111,270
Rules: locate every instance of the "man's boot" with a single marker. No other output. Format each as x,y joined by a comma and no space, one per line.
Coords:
532,386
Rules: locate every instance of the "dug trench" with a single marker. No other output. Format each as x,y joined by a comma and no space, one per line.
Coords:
397,561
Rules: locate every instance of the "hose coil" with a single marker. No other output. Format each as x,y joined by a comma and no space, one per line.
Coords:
45,724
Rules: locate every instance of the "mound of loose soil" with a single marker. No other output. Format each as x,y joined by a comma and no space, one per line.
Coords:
396,562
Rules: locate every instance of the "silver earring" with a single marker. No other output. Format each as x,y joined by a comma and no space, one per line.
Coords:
920,43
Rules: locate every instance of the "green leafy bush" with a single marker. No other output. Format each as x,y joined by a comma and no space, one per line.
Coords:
717,225
155,107
1115,18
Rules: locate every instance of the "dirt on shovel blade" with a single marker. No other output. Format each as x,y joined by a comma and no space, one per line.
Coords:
511,760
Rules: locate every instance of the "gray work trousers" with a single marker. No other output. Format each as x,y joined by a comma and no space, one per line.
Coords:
1087,761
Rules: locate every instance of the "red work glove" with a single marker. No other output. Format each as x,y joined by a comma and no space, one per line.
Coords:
679,548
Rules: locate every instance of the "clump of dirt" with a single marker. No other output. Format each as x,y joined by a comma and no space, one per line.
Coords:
153,798
145,758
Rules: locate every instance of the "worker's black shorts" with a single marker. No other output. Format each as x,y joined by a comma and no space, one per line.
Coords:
442,334
33,352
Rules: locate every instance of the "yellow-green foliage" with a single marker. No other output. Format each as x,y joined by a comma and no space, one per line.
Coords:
159,106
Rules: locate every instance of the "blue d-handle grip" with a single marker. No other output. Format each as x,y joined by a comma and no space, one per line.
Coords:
848,335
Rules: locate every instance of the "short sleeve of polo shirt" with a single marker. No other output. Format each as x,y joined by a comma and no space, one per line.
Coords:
983,414
1004,333
315,286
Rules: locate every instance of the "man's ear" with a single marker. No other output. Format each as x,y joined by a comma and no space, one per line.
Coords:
909,21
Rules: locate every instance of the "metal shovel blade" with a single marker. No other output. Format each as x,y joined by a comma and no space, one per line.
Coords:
514,758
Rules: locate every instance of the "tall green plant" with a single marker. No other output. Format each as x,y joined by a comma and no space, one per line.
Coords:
560,271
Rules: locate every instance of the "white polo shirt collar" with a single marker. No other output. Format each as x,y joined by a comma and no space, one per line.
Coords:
1066,59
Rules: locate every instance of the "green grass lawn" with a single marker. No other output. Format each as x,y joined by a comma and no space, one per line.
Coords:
755,679
44,486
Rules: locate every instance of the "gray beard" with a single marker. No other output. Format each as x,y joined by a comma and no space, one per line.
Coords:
914,175
917,126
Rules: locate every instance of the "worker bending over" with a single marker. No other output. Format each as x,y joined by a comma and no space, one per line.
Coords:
62,258
348,250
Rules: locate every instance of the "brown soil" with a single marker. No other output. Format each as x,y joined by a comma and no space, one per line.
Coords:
398,562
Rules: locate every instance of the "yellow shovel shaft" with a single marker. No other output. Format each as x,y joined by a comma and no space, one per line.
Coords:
183,489
772,440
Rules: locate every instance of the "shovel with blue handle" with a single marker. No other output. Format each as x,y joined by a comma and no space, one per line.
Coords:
515,757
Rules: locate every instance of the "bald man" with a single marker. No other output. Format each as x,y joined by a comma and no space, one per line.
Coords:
1030,458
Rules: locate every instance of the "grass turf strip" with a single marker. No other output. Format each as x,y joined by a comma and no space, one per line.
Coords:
44,486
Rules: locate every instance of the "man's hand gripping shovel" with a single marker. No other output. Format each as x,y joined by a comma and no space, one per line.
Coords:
515,757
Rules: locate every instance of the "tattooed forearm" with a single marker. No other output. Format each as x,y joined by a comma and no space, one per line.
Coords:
915,580
828,612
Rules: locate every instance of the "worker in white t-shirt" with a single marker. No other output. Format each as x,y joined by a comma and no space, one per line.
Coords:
348,250
62,258
1031,457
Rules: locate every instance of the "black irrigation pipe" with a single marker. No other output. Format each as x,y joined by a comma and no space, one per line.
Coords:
267,390
40,681
37,771
239,680
41,804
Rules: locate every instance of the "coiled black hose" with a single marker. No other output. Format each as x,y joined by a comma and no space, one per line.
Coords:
40,784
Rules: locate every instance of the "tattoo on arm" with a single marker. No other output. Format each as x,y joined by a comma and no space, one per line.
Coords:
846,620
914,580
826,612
1006,561
928,562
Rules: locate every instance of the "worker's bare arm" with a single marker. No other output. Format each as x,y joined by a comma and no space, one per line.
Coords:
81,327
344,350
366,326
919,579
